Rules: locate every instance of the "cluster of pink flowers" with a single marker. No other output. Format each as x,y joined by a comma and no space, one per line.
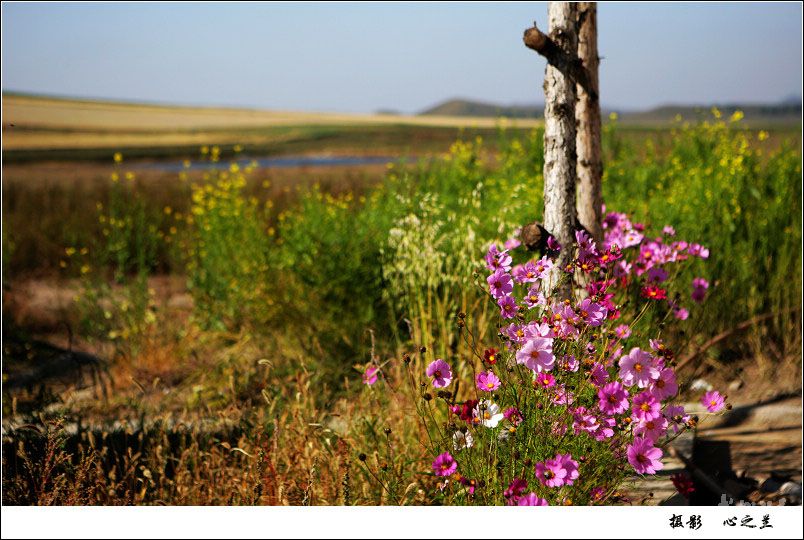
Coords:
572,379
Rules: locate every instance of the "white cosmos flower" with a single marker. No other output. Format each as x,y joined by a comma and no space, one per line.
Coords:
488,414
461,440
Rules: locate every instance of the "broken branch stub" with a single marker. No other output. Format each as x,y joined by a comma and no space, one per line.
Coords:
568,64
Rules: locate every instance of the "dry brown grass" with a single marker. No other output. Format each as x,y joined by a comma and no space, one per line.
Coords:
56,123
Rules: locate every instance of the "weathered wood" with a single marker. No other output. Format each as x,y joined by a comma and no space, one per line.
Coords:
559,142
587,116
567,62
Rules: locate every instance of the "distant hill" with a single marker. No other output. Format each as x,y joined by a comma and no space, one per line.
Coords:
465,107
785,112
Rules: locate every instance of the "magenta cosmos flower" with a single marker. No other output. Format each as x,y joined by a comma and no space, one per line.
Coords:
646,406
545,379
638,367
515,489
496,259
531,499
665,386
559,471
537,354
370,375
551,473
487,381
440,372
623,331
644,457
713,401
570,465
592,313
444,464
613,398
527,273
699,286
508,307
500,283
651,428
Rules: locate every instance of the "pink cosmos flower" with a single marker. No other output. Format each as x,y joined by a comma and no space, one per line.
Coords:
512,243
553,245
543,265
370,375
500,283
665,386
487,381
623,331
597,494
657,275
570,465
583,421
538,330
646,406
676,415
638,367
531,499
444,465
644,457
496,259
515,333
592,313
440,372
713,401
599,375
632,238
545,380
699,286
681,313
698,250
514,490
551,473
622,269
570,363
606,429
562,396
534,297
508,307
651,428
613,398
669,231
527,273
537,355
513,415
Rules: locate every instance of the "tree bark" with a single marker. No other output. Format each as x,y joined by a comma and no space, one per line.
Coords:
559,146
587,116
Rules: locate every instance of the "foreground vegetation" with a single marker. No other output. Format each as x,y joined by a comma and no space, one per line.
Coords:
291,303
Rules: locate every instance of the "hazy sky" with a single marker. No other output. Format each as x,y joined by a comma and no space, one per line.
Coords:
362,57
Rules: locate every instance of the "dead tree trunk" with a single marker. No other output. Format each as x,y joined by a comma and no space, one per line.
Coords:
587,116
559,143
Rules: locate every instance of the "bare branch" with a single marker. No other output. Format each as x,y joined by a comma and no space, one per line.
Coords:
570,65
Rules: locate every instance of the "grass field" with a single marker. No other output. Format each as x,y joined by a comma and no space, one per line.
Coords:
43,128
